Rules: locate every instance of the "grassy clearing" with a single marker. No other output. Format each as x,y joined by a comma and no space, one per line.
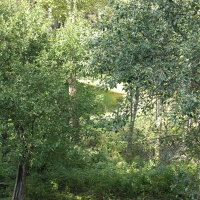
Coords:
108,100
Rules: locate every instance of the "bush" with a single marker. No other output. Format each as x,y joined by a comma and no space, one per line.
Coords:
160,182
106,180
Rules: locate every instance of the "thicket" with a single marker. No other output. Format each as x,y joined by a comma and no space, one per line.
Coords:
62,139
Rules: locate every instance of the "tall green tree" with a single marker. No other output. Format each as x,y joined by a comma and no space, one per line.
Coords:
35,66
140,43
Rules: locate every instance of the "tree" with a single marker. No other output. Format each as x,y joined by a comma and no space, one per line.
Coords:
139,43
33,89
21,43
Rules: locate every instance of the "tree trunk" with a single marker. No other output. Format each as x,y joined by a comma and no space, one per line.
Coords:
133,111
72,92
159,117
4,137
19,188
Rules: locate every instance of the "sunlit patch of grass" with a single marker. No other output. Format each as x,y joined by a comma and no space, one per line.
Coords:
111,100
108,100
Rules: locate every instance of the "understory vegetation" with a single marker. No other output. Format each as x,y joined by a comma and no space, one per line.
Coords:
64,139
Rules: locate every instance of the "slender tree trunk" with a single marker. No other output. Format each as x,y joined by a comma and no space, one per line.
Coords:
19,189
72,92
133,112
159,118
72,80
4,136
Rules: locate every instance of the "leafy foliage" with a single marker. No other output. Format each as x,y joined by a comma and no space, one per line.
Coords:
72,136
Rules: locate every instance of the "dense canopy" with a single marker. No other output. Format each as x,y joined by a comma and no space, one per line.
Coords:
67,132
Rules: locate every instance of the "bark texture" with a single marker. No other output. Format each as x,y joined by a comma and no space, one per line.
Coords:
19,188
133,113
